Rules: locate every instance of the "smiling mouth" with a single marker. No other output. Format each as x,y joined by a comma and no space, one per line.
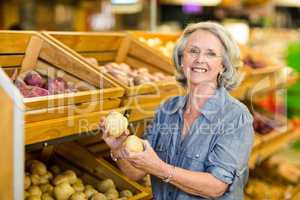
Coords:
199,69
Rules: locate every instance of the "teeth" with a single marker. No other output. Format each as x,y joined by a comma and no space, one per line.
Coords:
200,70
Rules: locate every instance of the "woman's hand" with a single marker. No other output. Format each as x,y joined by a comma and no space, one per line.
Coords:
114,144
147,161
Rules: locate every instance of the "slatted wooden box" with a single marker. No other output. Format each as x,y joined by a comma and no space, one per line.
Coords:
124,48
49,116
91,169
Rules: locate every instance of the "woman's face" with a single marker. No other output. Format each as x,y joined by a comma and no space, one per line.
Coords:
202,58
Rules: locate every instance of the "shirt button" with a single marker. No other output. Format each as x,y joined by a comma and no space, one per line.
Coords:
197,156
170,193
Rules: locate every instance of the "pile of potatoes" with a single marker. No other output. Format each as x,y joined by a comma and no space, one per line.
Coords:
133,77
166,48
41,184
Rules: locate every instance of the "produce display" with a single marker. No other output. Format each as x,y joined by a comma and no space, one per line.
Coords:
263,125
253,59
276,179
43,184
34,84
133,77
166,48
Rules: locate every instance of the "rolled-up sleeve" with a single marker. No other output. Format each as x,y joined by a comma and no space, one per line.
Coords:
230,153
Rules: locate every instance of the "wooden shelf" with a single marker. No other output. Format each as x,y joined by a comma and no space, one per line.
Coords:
267,145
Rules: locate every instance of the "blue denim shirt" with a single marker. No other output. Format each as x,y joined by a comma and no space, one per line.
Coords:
218,142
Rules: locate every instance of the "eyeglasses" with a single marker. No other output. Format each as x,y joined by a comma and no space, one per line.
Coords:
195,52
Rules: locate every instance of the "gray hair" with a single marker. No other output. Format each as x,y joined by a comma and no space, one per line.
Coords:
230,78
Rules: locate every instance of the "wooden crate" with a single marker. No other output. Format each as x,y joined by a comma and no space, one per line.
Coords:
96,167
124,48
120,48
163,37
45,116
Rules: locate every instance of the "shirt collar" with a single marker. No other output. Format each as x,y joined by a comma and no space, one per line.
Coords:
211,106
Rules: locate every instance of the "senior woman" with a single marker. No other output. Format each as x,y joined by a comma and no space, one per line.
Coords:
198,145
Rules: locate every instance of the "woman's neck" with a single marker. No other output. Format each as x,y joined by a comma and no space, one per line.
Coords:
198,95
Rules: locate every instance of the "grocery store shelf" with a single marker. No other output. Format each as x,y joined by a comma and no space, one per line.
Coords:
265,146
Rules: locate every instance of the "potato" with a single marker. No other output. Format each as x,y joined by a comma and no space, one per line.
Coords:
134,144
27,182
63,191
60,179
126,193
44,179
111,194
35,179
47,196
105,185
55,169
38,168
89,191
78,196
98,196
48,175
34,190
78,185
33,197
116,124
71,175
46,188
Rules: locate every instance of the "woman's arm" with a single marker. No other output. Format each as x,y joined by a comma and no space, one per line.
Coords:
195,183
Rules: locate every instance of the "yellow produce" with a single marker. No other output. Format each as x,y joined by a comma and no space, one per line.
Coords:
89,191
126,193
34,191
27,182
60,179
78,196
38,168
71,175
78,185
46,188
112,194
63,191
98,196
134,144
47,196
105,185
116,124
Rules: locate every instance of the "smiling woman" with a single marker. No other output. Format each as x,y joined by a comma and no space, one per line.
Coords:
230,53
199,144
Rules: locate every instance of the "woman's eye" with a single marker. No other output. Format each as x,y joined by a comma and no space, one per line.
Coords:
211,54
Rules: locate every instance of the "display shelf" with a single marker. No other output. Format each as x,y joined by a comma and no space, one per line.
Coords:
123,48
99,168
271,144
28,50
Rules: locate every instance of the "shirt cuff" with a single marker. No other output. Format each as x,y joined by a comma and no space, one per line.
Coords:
221,174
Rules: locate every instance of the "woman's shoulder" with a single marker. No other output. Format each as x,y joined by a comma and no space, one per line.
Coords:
236,110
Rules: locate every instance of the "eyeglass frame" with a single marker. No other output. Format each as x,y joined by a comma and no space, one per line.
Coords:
206,56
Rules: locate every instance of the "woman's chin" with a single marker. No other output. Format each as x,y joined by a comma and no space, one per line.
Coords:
202,81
